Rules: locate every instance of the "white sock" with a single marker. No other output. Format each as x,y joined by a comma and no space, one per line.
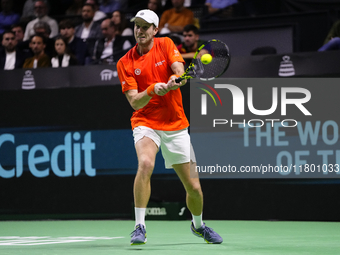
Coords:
197,220
140,216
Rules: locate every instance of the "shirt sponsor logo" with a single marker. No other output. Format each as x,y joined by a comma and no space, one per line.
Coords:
159,63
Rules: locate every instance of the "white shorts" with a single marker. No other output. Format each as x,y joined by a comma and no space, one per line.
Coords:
175,145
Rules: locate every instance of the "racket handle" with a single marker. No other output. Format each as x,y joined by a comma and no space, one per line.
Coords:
179,79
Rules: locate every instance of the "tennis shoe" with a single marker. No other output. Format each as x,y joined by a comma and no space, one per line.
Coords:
208,234
138,236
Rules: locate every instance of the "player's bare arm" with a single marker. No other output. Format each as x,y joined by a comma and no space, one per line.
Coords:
178,69
139,100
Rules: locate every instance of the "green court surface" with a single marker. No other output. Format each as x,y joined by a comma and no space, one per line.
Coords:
168,237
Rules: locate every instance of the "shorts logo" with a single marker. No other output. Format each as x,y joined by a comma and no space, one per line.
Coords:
137,71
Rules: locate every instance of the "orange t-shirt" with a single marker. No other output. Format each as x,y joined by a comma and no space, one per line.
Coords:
174,18
139,72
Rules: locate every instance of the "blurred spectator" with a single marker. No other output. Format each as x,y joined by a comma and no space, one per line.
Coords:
177,41
75,8
191,41
43,29
332,41
18,29
333,32
7,16
118,18
124,5
76,45
112,47
10,56
218,9
28,10
187,3
156,6
98,15
333,44
109,6
40,10
89,28
62,56
174,19
22,45
58,7
39,59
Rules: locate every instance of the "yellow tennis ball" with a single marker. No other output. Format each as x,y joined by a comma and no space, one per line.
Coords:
206,58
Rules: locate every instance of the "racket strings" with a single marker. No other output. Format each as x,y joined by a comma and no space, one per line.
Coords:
219,63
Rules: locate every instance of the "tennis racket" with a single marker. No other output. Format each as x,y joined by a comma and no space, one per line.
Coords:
219,63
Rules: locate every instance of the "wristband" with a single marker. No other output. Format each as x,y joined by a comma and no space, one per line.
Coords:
151,90
176,75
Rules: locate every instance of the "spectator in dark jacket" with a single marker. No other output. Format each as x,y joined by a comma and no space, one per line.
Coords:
76,45
10,56
39,59
89,28
112,47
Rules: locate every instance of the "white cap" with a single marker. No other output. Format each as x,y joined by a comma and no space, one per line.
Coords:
147,15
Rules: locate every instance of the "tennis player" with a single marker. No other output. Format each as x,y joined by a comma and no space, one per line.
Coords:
147,74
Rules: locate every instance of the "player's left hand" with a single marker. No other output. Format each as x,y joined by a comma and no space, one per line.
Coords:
172,84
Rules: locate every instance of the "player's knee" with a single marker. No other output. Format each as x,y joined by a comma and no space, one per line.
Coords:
195,190
146,165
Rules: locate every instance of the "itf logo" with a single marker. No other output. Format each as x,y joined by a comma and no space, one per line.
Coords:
28,81
286,67
107,74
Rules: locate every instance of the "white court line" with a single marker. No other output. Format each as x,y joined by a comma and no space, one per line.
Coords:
35,240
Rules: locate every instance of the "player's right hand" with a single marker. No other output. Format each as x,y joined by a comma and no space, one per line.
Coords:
172,84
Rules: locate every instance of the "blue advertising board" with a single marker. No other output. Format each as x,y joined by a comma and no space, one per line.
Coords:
67,154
